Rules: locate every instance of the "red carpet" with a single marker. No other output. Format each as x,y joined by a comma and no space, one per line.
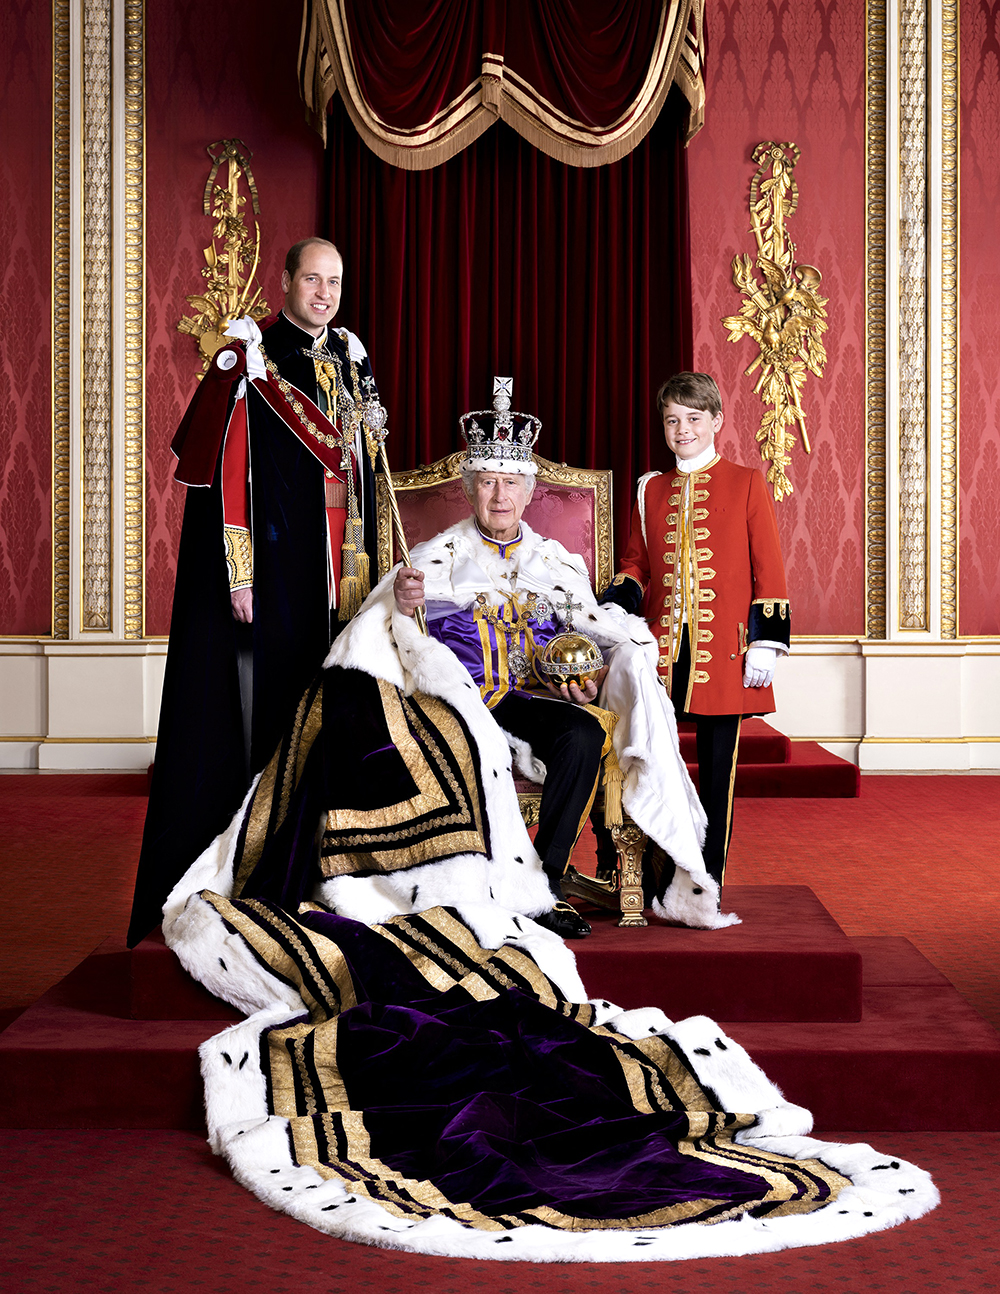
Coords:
114,1211
913,856
68,852
768,763
118,1212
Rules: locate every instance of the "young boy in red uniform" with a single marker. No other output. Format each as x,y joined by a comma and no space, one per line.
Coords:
703,564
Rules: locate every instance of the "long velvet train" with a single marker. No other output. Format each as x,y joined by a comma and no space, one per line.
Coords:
404,1086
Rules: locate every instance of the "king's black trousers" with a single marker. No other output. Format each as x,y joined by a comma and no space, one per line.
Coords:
568,741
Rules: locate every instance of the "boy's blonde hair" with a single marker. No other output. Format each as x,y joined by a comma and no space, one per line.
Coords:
693,390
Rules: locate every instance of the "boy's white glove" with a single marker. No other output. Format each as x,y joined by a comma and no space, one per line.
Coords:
758,668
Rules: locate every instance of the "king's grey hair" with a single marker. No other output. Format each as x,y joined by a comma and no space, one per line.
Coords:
468,480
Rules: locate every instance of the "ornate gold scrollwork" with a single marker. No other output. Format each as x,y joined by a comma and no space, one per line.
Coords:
529,803
630,841
233,248
784,314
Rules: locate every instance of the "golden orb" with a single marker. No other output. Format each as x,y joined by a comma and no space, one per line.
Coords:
570,657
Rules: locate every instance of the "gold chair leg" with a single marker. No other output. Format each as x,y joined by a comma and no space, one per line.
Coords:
630,841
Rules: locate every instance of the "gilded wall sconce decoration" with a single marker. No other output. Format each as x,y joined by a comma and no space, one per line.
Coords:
234,248
783,313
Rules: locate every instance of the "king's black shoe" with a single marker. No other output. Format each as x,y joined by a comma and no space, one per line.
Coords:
564,921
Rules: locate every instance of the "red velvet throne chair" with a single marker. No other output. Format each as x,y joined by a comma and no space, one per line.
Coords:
573,505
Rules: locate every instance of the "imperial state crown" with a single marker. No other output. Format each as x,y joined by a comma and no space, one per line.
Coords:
498,439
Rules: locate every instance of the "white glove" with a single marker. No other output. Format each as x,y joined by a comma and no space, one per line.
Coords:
758,668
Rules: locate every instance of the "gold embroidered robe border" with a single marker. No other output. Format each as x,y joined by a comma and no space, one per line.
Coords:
424,806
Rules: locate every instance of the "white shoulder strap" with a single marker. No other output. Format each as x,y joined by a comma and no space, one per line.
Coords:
355,346
641,500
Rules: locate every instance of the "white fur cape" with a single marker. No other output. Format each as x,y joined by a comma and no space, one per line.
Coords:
658,792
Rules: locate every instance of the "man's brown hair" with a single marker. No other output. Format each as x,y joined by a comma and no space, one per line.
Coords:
294,256
693,390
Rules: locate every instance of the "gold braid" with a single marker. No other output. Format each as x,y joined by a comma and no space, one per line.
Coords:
355,579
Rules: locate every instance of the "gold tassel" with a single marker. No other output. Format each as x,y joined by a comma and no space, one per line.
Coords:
326,382
355,578
350,598
614,778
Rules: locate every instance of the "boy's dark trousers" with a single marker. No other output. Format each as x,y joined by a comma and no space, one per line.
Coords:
718,739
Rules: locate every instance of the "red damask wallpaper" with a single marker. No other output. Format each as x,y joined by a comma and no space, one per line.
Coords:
979,321
25,356
792,70
212,72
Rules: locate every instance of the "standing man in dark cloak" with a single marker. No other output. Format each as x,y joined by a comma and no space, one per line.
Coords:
276,545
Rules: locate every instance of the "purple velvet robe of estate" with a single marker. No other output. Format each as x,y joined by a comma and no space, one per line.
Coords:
482,648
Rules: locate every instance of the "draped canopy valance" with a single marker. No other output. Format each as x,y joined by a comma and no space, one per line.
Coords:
582,80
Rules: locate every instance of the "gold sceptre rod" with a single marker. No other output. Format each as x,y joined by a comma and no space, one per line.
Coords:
397,524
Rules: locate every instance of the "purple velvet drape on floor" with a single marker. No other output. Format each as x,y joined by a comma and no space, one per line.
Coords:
574,281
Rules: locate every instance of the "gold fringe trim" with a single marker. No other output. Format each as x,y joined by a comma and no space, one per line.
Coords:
355,578
614,778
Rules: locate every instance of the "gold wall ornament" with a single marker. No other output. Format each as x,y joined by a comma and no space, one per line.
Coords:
783,314
233,248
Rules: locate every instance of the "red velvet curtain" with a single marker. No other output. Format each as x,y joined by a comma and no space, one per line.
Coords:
502,261
586,58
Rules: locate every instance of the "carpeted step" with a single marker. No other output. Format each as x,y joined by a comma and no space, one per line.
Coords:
788,960
920,1060
73,1061
161,989
810,771
759,743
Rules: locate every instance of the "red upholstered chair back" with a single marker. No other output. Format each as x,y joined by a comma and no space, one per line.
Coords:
571,504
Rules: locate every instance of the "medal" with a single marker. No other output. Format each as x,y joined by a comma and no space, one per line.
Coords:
518,663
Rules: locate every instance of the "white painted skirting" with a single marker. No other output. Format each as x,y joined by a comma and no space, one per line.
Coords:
79,705
895,705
